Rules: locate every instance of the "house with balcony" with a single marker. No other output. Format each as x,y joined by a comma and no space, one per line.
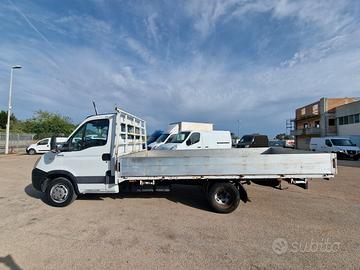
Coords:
317,119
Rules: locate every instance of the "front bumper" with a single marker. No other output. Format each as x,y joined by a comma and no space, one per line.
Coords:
38,177
345,155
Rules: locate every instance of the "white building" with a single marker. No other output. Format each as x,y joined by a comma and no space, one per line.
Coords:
348,121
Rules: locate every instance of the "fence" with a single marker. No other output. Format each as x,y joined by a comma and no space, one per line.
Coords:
17,142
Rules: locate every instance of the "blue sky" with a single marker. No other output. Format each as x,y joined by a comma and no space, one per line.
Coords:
166,61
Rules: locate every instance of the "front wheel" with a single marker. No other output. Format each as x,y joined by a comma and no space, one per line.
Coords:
223,197
60,192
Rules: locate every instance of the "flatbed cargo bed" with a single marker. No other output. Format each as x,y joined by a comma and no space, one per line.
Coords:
252,163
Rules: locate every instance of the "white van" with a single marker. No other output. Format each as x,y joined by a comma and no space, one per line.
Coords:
174,128
164,138
43,145
344,147
187,140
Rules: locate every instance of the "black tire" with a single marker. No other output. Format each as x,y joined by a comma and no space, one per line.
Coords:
223,197
60,192
31,151
306,185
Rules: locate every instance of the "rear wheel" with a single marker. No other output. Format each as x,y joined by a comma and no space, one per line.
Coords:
60,192
223,197
32,152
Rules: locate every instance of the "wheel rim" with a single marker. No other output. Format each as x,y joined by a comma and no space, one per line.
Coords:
223,197
59,193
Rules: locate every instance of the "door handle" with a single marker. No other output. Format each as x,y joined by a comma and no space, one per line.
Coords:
106,157
60,155
199,147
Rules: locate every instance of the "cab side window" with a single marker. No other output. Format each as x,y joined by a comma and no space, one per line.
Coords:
194,138
91,134
43,142
328,143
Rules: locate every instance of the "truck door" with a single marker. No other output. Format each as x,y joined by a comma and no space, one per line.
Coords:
328,145
43,146
87,155
194,141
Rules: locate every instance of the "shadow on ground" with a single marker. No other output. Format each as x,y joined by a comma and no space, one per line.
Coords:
349,163
32,192
192,196
9,262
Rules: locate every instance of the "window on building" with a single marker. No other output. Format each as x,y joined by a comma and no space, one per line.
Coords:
317,124
351,119
331,122
303,111
356,118
315,109
346,120
306,125
341,121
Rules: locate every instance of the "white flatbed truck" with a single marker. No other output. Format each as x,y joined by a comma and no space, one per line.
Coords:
105,154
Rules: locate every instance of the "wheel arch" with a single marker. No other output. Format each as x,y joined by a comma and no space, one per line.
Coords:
28,150
68,175
243,193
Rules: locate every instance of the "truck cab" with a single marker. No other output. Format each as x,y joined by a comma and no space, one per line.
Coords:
188,140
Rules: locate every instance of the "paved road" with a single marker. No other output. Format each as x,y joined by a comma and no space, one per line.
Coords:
280,229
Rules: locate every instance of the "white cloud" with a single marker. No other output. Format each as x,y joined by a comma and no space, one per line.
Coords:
201,87
140,50
151,26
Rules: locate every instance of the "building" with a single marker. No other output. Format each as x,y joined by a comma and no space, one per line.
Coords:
348,121
317,119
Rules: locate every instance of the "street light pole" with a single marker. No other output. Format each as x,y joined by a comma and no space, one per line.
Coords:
9,110
238,122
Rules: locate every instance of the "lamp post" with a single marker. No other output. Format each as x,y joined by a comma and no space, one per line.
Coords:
9,110
238,122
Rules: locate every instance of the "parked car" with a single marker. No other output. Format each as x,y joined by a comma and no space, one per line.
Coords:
342,146
254,140
187,140
289,144
276,143
43,145
154,136
163,138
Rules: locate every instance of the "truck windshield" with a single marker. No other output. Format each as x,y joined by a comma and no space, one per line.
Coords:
342,142
246,139
162,138
179,138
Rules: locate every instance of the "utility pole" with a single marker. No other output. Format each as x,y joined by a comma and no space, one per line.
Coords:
238,122
9,110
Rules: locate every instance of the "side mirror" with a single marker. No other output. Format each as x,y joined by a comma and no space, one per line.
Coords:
53,146
188,142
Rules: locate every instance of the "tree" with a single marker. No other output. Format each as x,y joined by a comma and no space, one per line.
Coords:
46,124
3,120
283,136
